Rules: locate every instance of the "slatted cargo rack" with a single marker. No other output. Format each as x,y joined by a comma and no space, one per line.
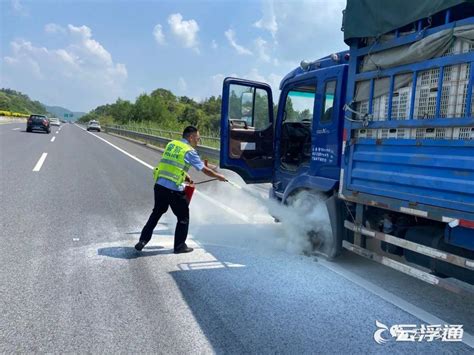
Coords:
412,146
409,139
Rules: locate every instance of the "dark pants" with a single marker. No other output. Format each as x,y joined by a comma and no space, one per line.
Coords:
177,201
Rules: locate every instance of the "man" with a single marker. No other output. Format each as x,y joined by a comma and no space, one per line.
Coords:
170,175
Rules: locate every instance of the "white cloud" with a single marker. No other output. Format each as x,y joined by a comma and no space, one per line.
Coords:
158,34
19,8
261,48
89,50
54,28
80,76
309,30
184,31
268,20
230,35
214,44
182,85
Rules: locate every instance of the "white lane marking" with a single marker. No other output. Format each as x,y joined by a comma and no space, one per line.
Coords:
57,132
40,162
52,139
205,265
406,306
119,149
15,129
215,202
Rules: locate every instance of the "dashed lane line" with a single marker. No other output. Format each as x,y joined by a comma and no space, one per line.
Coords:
40,162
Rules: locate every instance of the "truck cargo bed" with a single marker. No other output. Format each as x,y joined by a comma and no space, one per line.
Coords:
438,172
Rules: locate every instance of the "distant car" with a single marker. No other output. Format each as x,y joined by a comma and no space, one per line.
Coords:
38,122
94,126
54,122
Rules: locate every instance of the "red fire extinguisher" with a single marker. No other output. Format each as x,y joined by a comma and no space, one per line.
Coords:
189,188
188,191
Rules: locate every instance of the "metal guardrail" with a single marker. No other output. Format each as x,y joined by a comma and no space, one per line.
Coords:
147,135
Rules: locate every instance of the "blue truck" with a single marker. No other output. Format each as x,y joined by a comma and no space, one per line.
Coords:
383,131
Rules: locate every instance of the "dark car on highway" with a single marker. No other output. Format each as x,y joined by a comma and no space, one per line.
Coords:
38,122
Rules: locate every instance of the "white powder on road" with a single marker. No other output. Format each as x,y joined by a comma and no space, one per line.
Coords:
306,216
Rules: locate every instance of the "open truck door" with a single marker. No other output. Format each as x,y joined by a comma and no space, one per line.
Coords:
247,130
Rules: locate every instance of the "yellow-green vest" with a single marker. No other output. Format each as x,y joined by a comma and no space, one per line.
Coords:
172,165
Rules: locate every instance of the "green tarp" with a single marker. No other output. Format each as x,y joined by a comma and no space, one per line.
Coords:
371,18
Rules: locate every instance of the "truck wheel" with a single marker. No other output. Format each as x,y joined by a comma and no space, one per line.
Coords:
321,220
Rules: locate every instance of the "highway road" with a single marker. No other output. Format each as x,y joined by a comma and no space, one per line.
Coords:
72,205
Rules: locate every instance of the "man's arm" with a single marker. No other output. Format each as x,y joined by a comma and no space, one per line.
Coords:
193,158
209,172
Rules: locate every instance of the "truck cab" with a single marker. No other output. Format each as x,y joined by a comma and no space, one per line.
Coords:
295,145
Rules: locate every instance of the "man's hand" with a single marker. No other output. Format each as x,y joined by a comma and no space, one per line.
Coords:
188,179
212,173
221,178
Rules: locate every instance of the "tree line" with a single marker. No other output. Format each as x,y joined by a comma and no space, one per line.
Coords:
161,109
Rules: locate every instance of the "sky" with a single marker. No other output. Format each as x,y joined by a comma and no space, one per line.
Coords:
84,53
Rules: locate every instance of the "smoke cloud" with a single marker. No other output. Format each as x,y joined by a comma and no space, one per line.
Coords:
304,221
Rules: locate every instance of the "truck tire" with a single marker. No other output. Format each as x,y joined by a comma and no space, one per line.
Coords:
335,208
322,215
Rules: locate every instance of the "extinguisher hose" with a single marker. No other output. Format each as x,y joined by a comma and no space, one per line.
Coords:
205,181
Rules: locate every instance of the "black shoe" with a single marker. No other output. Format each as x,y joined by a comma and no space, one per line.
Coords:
139,246
183,249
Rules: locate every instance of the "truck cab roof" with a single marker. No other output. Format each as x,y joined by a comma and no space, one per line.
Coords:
339,58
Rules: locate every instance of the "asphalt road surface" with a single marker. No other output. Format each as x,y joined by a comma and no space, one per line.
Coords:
71,209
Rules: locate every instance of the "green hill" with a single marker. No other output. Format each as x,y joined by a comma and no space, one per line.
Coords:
58,111
11,100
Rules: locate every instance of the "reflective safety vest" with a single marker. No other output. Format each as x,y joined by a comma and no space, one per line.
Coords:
172,165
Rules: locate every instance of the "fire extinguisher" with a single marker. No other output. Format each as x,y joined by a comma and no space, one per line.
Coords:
189,188
188,192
